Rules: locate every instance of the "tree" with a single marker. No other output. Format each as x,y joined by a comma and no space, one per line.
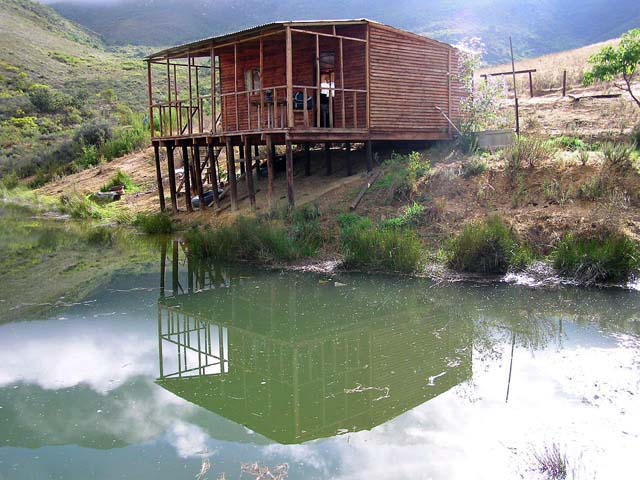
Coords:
611,63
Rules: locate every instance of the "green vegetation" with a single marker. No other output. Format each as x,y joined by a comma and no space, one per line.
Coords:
81,207
260,240
55,80
526,151
403,175
154,223
487,247
611,63
573,144
602,255
473,166
413,216
366,246
120,179
618,157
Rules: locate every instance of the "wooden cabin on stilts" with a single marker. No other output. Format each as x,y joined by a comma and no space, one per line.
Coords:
292,83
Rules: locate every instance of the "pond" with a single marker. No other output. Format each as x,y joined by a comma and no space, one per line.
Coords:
172,369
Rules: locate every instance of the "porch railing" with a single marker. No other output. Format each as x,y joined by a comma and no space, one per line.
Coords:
264,109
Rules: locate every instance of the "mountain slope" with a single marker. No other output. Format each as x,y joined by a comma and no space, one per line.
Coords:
538,27
56,77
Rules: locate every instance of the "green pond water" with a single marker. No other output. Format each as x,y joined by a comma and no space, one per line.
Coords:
167,368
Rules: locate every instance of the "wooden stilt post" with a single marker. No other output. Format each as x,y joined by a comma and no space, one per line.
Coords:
214,175
347,147
290,194
327,158
256,156
249,174
172,178
369,156
231,172
270,174
187,179
307,159
198,179
243,163
156,152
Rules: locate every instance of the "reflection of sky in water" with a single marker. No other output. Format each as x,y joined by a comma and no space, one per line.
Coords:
84,385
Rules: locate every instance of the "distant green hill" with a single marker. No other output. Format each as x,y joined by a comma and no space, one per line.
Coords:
538,27
56,77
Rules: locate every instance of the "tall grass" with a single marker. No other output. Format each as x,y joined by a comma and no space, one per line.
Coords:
260,240
526,151
487,247
618,157
154,223
120,178
389,249
404,173
599,256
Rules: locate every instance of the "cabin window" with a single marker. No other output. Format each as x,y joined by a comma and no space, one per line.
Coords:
252,80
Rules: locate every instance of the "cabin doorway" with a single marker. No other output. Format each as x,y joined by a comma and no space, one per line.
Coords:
327,88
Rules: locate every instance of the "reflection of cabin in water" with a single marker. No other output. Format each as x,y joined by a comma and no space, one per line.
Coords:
298,83
279,355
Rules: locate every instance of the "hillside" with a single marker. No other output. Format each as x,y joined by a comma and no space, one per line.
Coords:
538,27
55,77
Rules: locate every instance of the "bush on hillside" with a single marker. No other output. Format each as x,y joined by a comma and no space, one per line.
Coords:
598,256
488,247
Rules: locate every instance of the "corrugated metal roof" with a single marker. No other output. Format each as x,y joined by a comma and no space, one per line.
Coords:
184,48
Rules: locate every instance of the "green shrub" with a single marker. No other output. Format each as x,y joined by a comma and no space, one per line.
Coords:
120,178
526,151
305,229
603,255
80,207
96,134
583,157
486,247
365,246
569,143
154,223
635,136
90,156
618,157
474,166
45,99
405,172
10,181
412,216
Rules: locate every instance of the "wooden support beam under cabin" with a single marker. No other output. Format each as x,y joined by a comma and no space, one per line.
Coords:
214,175
270,173
243,163
198,179
172,178
347,148
290,194
327,158
231,173
187,179
307,159
369,147
156,152
249,173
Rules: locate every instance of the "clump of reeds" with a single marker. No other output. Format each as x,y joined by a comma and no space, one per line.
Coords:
154,223
600,255
488,246
365,245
